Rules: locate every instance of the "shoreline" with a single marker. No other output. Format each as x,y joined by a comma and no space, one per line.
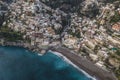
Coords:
82,63
71,63
40,50
87,66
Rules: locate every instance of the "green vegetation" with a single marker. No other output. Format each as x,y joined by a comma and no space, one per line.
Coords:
118,52
75,34
116,56
9,34
115,18
111,1
117,73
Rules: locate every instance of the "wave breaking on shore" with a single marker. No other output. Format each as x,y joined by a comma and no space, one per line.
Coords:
71,63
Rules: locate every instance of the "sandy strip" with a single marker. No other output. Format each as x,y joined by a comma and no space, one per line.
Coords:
71,63
84,64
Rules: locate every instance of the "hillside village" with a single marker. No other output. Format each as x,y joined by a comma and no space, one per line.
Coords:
95,38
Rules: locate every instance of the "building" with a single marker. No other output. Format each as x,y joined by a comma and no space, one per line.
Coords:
116,27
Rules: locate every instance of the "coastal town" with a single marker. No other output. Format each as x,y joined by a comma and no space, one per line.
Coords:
95,37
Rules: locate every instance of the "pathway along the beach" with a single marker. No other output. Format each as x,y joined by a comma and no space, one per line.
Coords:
85,65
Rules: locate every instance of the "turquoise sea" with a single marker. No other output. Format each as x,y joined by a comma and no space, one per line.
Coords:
18,63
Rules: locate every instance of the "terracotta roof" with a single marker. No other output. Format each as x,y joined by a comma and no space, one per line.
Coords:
116,27
40,35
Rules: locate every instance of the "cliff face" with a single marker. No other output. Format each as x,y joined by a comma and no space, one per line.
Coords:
3,10
7,1
65,5
89,8
81,25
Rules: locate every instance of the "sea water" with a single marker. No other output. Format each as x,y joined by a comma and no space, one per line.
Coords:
18,63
